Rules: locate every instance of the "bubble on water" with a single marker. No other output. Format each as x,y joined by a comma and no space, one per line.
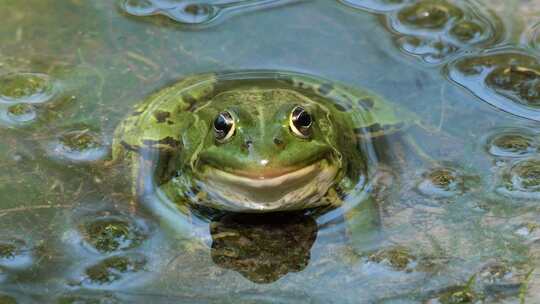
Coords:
521,179
79,145
429,50
114,269
113,233
27,88
139,7
375,5
194,13
429,14
21,112
467,31
186,12
520,83
15,254
512,143
508,80
17,115
441,182
436,31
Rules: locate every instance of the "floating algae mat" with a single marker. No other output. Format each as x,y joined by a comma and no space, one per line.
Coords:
269,151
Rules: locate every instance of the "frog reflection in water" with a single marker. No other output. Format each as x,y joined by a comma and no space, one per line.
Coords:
253,141
263,248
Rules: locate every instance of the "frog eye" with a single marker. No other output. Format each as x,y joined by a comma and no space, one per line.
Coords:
300,122
224,126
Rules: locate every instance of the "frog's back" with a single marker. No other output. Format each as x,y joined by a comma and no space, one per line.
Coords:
164,109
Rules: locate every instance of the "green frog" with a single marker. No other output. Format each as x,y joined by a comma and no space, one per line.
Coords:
253,141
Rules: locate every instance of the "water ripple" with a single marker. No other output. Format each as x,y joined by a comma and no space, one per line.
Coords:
23,95
15,254
512,143
78,145
508,79
20,114
27,88
435,31
521,179
194,12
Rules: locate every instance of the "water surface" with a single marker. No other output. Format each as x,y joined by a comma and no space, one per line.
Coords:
464,225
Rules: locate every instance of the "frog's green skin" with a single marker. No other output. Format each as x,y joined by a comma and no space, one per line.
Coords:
263,167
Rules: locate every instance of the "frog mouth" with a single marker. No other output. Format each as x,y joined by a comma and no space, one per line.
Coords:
268,178
269,190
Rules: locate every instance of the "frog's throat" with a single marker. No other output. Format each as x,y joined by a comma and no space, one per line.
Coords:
293,190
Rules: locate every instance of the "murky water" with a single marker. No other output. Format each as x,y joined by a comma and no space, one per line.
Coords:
453,215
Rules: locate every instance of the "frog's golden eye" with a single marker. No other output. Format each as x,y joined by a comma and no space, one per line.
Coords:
224,126
300,122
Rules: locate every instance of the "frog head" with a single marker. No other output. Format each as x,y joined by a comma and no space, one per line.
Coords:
260,150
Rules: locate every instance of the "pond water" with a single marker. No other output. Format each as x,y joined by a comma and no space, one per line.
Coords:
454,213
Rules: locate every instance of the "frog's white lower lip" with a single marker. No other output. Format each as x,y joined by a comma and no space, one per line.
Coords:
262,181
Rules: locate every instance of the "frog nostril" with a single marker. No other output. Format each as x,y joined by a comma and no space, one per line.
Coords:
278,141
248,143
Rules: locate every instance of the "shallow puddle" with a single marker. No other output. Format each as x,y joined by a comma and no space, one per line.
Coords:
430,108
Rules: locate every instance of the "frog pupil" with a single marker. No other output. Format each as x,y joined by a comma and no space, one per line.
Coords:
223,124
301,118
